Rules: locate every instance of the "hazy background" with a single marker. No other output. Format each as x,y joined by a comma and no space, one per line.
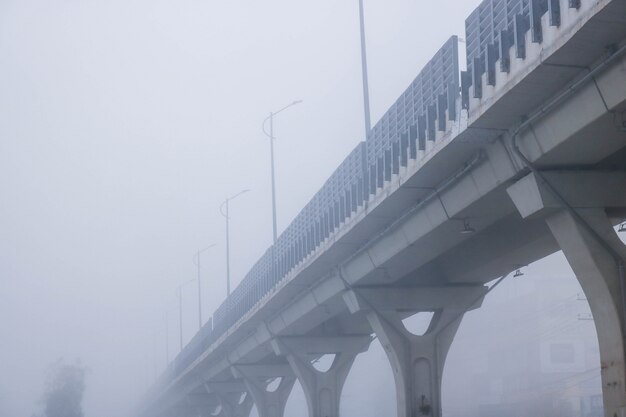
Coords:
123,126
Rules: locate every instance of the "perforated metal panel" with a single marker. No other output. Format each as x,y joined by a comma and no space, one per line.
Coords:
484,24
438,76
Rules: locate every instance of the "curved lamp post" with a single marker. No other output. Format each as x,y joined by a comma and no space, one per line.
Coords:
270,135
366,94
196,260
180,309
224,211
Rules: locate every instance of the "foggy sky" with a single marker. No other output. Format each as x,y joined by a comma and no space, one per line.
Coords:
125,124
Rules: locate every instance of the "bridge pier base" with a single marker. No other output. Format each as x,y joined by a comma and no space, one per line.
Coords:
257,377
321,389
598,275
417,360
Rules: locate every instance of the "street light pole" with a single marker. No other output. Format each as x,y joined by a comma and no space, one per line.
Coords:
227,251
274,226
224,211
180,310
180,315
270,135
196,260
199,296
167,340
155,355
366,94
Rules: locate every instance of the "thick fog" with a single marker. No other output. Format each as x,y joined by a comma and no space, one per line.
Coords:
125,124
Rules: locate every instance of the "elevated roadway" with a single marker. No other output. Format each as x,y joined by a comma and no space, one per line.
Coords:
529,159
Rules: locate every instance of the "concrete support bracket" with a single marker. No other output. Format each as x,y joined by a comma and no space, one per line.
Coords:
321,389
233,397
257,379
582,189
417,360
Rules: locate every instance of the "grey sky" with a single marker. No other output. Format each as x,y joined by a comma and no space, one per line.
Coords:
124,124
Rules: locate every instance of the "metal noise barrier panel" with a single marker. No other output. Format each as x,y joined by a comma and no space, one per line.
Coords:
419,112
332,205
496,31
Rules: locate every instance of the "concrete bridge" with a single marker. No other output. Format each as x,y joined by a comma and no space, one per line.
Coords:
467,177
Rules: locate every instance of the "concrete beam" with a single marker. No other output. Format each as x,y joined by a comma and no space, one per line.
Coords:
459,297
581,189
314,345
264,370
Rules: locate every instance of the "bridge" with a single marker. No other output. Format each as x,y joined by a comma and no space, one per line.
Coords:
467,177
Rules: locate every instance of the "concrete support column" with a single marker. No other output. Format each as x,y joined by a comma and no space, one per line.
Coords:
598,275
321,389
257,379
233,398
417,360
590,194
